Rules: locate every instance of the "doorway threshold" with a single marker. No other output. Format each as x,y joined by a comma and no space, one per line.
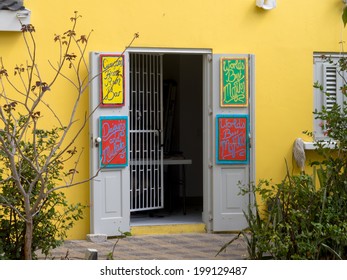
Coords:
167,223
168,229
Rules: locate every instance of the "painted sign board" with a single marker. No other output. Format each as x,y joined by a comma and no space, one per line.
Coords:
232,142
113,145
234,82
111,80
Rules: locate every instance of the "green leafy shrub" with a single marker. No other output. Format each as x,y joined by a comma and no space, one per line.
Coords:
51,225
54,216
300,222
295,220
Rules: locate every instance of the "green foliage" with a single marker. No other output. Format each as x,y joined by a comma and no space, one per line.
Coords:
344,16
295,220
54,216
51,224
110,255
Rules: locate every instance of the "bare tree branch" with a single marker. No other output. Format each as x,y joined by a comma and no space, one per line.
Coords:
33,155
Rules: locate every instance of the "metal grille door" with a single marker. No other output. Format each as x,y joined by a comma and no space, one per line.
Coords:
145,127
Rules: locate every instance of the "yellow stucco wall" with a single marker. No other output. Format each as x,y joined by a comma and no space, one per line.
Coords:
283,41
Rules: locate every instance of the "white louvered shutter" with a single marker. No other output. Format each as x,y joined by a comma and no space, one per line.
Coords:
332,79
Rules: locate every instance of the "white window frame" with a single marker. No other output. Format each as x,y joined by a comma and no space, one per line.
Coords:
331,79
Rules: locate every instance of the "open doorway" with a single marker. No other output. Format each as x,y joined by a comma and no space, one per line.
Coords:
179,197
196,74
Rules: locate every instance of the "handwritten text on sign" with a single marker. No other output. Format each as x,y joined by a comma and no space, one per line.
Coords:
112,82
113,141
234,82
232,144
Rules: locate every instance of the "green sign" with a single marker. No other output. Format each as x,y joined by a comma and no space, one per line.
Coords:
234,82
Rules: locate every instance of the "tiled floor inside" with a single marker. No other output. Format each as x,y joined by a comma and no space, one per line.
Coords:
192,216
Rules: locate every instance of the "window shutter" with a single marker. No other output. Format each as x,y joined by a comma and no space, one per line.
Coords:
330,85
329,75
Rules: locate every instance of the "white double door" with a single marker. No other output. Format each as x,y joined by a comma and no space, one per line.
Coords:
116,190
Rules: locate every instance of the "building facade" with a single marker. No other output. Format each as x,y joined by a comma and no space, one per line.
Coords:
210,96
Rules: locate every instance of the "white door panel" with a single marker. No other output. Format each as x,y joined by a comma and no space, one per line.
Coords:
230,175
109,190
113,194
232,204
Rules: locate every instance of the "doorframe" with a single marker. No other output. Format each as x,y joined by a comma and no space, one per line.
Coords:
252,130
207,120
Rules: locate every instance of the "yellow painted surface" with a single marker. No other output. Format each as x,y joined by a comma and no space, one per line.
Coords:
168,229
283,41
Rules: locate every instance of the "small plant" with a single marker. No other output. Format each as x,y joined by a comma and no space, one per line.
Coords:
344,15
110,255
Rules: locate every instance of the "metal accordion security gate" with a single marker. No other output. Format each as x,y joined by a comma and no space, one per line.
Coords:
145,128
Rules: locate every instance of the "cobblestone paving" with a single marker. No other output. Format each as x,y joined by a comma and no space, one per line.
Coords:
156,247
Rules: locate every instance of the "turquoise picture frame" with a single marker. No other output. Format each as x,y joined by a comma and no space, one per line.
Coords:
113,150
232,140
